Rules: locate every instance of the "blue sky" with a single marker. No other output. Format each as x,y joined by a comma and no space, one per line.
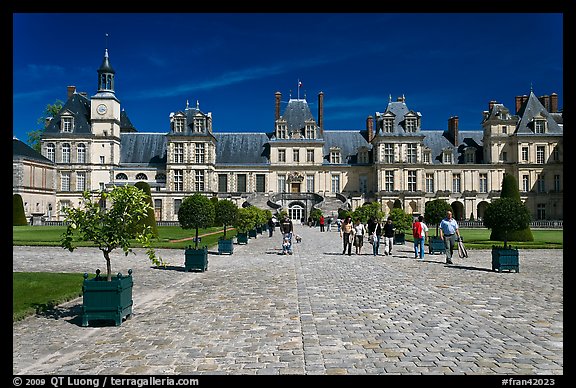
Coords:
445,64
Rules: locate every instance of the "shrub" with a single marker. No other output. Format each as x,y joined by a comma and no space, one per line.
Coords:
18,215
402,221
506,215
150,220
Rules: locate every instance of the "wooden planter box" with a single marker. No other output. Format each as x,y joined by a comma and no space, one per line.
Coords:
196,259
109,301
252,233
242,238
225,246
504,259
399,239
436,245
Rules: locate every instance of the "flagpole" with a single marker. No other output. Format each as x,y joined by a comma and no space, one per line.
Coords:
298,88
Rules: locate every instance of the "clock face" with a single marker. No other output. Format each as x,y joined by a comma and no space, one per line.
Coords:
101,109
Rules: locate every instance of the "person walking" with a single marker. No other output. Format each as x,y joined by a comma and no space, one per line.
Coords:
424,236
417,236
388,231
271,226
449,232
321,223
374,233
359,230
287,229
346,232
329,223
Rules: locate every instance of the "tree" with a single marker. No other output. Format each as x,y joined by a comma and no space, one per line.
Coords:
111,228
316,214
33,137
18,214
367,211
150,220
506,215
402,221
435,211
245,220
195,212
397,204
226,212
510,190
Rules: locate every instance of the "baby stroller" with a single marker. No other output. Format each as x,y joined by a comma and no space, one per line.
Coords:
287,244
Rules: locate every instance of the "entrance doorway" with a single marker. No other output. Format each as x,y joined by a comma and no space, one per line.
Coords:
295,187
296,212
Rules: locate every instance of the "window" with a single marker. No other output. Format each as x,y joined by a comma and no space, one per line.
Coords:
160,177
363,184
281,183
539,126
310,156
281,156
429,183
67,124
65,181
177,203
470,155
410,125
335,183
282,131
388,180
388,153
426,157
141,176
310,183
199,180
483,183
179,124
524,154
241,183
363,157
121,177
411,151
541,183
540,154
504,129
556,154
557,183
310,131
456,180
101,185
178,180
388,125
411,180
50,151
178,152
81,181
199,124
296,156
102,159
541,211
260,183
81,153
447,157
335,158
504,156
65,153
222,183
64,205
200,153
525,183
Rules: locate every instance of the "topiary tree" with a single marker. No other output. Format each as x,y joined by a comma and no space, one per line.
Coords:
196,212
402,221
435,211
245,220
111,228
397,204
368,210
316,214
471,216
225,213
342,213
510,190
18,215
150,220
506,215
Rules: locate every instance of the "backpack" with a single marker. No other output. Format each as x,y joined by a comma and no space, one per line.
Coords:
417,229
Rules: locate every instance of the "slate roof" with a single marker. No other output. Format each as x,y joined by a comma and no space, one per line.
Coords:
398,109
242,148
531,108
296,113
438,141
125,123
21,150
79,107
347,140
144,149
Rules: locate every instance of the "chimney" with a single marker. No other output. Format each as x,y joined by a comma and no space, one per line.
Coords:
321,112
518,103
545,102
553,103
370,128
453,128
278,96
491,104
71,90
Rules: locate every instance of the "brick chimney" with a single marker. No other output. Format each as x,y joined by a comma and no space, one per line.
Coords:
278,96
553,103
520,101
370,128
321,112
71,91
545,102
453,129
491,105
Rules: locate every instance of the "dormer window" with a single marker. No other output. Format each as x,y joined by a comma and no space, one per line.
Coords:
179,124
67,124
199,124
281,131
335,156
539,126
447,157
410,124
388,125
504,129
470,155
310,131
426,157
363,156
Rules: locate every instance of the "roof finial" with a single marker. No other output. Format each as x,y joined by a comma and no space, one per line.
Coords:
403,98
390,98
290,94
531,87
106,46
197,105
187,104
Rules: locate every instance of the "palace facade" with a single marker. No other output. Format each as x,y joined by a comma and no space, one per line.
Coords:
92,145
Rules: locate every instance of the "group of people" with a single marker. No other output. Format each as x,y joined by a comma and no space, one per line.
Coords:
287,230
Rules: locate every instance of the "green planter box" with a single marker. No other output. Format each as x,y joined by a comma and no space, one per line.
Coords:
107,301
242,238
259,229
196,259
436,245
252,233
399,239
504,259
225,246
264,227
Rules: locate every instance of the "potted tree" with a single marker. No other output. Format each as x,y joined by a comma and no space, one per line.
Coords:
402,222
505,216
196,212
110,298
226,212
244,222
434,212
254,212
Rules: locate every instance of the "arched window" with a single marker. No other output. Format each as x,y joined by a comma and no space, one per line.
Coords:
81,153
121,177
65,153
50,151
160,177
142,177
